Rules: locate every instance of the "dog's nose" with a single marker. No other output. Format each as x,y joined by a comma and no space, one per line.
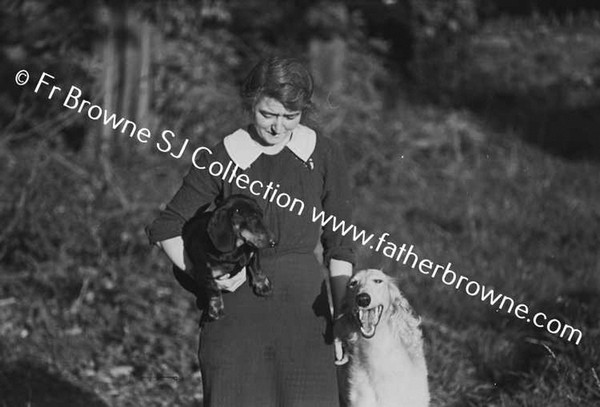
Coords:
363,300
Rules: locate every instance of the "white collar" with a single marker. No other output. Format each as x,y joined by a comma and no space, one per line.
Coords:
244,150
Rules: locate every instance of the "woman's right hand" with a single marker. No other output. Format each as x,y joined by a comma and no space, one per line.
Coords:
175,252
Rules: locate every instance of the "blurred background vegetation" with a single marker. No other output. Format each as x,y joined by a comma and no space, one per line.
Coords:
472,129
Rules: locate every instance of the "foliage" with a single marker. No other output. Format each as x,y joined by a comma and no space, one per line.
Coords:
537,56
29,39
440,34
538,75
194,71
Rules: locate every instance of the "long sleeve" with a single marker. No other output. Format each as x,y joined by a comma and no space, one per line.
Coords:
336,200
199,190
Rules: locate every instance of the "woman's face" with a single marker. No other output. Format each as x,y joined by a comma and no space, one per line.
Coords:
274,123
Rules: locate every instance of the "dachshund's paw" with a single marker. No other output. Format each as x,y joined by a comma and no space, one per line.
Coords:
216,308
262,287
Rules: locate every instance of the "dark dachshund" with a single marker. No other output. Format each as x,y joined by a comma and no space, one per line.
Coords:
224,242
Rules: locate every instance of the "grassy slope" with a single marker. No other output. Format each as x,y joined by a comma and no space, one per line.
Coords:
111,319
510,217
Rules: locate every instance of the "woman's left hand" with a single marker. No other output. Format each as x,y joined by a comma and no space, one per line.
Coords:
230,284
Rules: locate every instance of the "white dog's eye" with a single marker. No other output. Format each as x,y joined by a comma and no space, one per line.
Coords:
378,281
352,284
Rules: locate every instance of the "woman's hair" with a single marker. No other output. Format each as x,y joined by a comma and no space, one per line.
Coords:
283,79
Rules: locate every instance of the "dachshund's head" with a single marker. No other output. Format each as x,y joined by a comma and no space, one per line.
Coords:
236,221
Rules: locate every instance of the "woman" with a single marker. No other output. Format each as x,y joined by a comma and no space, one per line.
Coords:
272,351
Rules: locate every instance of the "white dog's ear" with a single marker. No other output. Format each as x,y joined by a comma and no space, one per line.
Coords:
399,303
405,323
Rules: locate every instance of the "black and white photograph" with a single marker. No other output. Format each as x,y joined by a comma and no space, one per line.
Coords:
320,203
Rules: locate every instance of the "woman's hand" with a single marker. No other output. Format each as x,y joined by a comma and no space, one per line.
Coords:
230,284
174,249
339,332
339,273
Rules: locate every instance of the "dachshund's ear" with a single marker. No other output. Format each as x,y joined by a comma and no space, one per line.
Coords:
220,230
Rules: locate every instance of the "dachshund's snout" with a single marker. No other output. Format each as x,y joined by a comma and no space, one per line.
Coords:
363,300
258,236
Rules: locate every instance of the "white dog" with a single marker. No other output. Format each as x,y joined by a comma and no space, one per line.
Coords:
385,345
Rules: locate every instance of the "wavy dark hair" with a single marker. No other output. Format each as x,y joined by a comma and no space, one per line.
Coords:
283,79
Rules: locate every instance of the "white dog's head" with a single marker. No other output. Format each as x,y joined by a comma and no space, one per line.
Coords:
370,294
372,297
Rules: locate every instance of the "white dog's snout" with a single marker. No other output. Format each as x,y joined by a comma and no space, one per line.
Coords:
363,300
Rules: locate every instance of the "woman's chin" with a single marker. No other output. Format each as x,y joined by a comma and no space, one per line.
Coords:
273,140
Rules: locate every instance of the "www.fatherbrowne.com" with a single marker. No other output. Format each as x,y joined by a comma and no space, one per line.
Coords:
449,277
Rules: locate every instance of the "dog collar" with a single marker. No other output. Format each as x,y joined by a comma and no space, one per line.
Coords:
244,150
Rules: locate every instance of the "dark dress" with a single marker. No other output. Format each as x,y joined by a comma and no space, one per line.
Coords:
273,351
